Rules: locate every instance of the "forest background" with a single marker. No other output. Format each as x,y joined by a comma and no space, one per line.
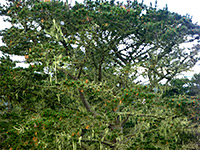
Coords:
81,88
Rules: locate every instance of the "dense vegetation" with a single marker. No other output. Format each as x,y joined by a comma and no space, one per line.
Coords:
82,89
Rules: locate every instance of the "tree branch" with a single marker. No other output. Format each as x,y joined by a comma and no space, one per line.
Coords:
82,97
86,103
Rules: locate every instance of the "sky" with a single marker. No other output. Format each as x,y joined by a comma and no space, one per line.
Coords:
183,7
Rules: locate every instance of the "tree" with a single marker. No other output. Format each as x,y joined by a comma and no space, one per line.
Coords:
167,31
78,92
184,86
138,34
179,87
194,87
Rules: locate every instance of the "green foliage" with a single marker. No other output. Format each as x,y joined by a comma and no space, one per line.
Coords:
184,86
194,87
178,87
79,91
